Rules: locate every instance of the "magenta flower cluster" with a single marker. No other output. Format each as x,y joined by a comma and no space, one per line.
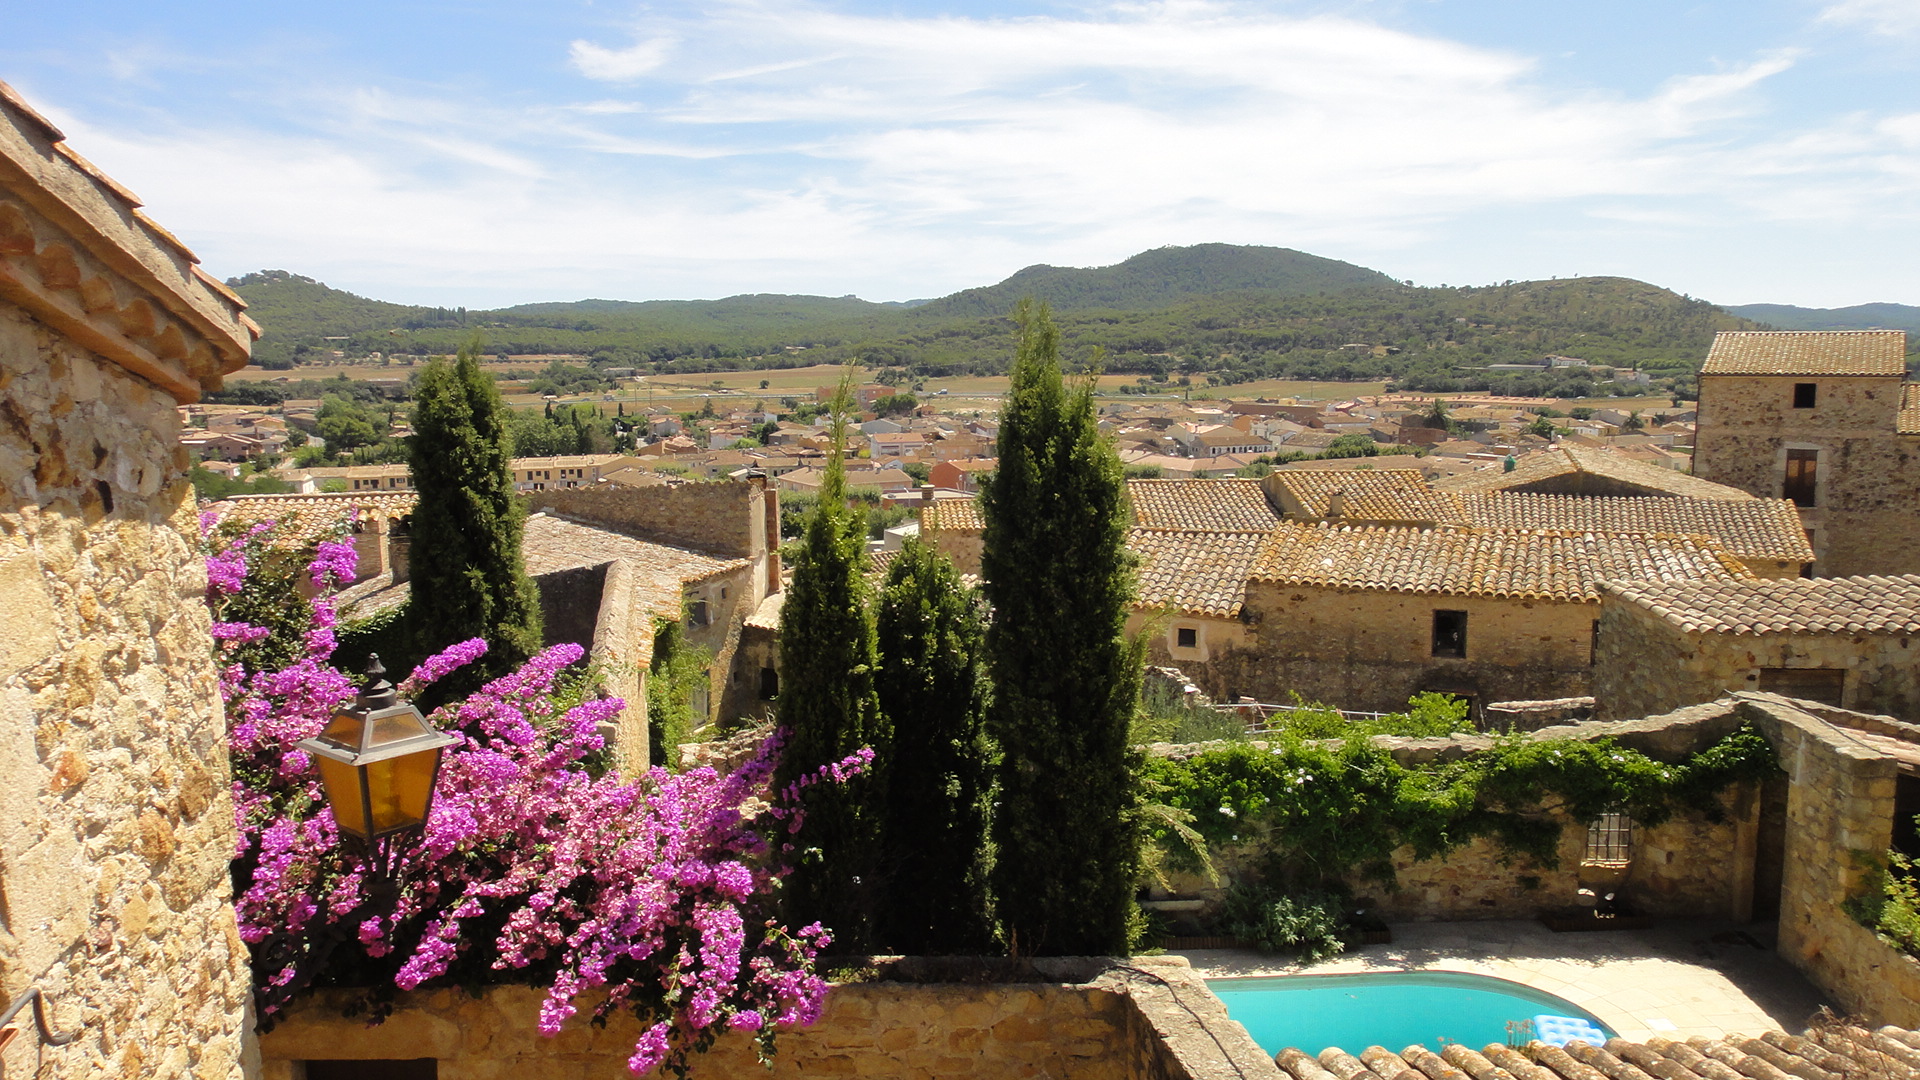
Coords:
646,894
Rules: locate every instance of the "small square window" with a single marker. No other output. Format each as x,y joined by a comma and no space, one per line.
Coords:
1187,637
1609,840
1450,633
1805,394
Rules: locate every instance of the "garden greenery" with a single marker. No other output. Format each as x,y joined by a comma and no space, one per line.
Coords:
1891,905
539,865
1328,813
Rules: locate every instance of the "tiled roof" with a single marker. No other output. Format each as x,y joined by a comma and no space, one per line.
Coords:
952,515
660,571
1397,496
1196,572
1839,1051
1908,422
1749,528
304,518
1562,460
1228,504
1857,605
1525,563
1797,352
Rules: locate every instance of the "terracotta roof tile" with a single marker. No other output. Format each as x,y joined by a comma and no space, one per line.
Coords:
1836,1052
1227,504
1541,564
1564,460
1197,572
305,518
1908,422
952,515
1399,496
1857,605
1749,528
1797,352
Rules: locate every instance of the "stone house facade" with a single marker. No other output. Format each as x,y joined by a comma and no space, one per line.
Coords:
1847,642
1821,419
116,826
1377,560
1363,617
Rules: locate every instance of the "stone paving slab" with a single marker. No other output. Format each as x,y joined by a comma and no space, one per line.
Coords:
1677,979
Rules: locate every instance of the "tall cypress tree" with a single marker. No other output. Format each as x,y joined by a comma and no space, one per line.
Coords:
1065,678
933,690
828,706
469,578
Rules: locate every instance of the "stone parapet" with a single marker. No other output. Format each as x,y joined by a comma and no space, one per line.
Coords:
1066,1019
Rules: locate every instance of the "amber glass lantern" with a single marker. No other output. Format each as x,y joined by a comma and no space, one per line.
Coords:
378,759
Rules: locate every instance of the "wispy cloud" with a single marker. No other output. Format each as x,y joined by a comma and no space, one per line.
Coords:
1892,17
623,64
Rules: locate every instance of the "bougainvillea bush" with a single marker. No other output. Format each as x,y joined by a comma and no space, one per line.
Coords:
537,865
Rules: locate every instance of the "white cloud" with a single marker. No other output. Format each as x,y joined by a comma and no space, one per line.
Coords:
1891,17
620,65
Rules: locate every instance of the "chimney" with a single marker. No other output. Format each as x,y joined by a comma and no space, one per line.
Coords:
1336,504
926,494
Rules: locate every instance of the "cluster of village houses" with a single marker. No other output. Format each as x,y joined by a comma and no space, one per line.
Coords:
1775,580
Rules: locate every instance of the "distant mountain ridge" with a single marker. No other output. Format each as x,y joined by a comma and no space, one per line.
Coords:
1210,314
1165,276
1858,317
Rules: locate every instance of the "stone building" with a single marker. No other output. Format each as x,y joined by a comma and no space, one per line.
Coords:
1356,624
1849,642
1363,617
1826,421
116,826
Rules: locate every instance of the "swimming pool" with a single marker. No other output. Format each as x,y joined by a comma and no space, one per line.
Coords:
1390,1009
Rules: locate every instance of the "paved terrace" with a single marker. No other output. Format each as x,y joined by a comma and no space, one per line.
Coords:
1677,980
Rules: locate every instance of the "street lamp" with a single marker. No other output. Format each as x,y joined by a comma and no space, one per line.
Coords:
378,760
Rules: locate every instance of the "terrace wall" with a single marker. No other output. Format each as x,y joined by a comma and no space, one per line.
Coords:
1149,1019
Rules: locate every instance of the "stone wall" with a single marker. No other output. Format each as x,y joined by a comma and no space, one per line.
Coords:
1148,1019
116,826
1371,651
963,546
723,519
1867,520
1645,665
570,602
1840,805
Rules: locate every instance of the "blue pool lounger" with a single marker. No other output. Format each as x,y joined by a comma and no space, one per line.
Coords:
1561,1030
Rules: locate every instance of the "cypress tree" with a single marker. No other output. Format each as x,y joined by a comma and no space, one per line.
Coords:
933,691
469,579
1065,677
828,707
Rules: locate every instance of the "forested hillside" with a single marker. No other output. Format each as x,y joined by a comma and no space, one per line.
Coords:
1165,276
1235,313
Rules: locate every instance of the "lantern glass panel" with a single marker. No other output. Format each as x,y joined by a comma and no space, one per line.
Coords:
398,726
401,788
343,794
343,730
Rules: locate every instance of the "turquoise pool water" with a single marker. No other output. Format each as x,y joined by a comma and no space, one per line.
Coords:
1391,1009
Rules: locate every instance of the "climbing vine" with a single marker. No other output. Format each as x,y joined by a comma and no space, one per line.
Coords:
1326,812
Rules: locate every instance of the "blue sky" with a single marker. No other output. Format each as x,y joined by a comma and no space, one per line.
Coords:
484,153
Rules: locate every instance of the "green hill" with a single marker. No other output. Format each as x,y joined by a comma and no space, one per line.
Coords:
1165,276
1858,317
1212,312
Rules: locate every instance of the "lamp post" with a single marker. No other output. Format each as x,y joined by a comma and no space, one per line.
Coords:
378,760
